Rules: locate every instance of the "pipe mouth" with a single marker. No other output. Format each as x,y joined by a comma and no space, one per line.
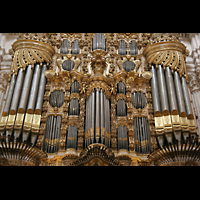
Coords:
190,116
166,113
174,112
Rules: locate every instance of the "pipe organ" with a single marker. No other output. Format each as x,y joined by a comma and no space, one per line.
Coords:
117,96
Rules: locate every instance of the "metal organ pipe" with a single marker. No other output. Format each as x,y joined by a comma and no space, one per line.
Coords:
97,120
121,107
41,89
122,137
17,91
179,95
99,42
52,134
34,89
72,137
121,88
162,90
75,87
23,102
102,124
97,116
171,91
26,89
86,125
93,116
39,101
142,135
187,98
106,119
179,103
10,94
155,92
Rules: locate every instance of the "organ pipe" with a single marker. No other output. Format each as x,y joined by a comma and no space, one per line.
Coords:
187,98
93,117
41,89
25,89
97,116
133,48
23,101
179,103
139,100
99,42
179,95
14,103
31,102
102,116
6,110
17,91
171,91
121,88
122,48
162,90
142,135
71,141
52,134
38,107
56,98
122,137
75,47
87,137
64,47
97,119
155,92
74,107
75,87
34,89
10,94
121,107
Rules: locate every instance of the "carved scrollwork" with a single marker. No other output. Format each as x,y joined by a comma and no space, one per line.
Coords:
29,52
